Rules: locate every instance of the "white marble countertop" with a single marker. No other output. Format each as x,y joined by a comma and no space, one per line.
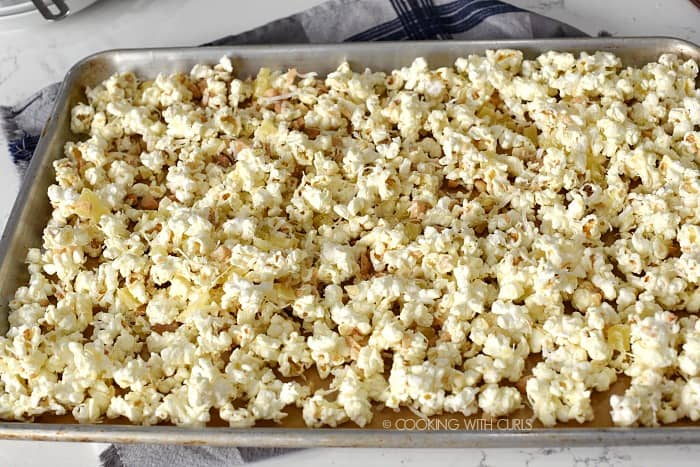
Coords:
31,58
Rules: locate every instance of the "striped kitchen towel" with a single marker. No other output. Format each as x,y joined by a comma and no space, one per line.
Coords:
334,21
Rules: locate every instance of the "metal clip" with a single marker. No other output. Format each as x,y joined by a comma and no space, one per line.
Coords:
46,10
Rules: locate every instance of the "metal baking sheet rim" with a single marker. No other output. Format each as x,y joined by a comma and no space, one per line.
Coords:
350,437
26,220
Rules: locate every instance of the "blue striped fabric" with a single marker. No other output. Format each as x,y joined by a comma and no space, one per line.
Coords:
422,19
22,149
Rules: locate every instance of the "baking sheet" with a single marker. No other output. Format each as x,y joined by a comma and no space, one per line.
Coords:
31,212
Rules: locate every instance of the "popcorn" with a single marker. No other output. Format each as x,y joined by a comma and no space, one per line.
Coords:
413,237
690,395
81,118
497,401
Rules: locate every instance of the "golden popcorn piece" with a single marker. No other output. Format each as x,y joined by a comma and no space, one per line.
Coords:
618,337
90,206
